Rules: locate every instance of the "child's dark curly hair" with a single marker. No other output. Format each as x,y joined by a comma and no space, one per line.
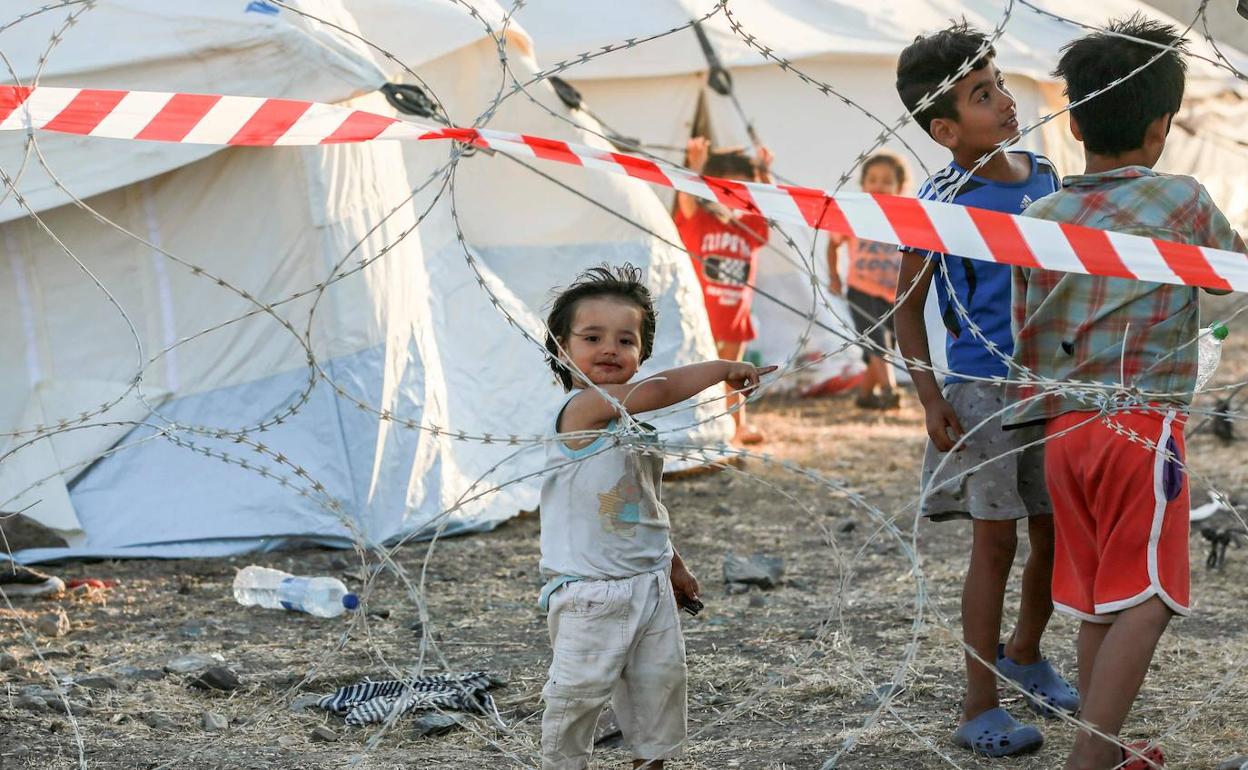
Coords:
1116,121
925,64
623,282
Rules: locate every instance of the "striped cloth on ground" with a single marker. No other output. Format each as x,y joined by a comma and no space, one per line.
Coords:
370,702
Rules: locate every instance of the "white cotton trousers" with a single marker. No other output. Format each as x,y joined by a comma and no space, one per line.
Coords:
617,639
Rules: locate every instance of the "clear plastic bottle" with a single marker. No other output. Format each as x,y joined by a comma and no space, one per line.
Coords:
324,597
1210,352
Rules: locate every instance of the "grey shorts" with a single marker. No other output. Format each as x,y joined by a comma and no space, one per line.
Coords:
1003,485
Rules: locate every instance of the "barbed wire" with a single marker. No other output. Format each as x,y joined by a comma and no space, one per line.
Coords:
519,79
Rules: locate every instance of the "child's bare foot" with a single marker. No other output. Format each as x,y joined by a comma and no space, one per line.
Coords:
748,435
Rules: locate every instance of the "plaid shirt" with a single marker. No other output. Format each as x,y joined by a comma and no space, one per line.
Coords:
1134,335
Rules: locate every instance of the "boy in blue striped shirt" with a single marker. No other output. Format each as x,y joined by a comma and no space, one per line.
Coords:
991,478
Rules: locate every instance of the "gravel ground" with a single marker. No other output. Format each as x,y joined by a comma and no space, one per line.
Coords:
778,679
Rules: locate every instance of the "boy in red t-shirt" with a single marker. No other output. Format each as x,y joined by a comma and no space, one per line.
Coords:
723,246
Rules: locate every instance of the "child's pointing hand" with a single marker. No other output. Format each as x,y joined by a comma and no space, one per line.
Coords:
743,376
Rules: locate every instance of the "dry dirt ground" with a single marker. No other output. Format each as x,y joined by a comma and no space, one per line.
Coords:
778,679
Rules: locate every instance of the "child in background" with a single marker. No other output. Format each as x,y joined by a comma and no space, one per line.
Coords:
992,480
614,579
724,248
872,282
1121,506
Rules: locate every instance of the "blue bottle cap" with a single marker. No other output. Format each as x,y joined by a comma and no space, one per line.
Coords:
350,601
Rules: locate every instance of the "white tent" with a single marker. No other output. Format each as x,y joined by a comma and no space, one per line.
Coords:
411,335
651,92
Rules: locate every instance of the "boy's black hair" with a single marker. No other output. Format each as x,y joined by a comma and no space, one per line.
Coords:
1115,121
622,282
731,162
885,159
930,59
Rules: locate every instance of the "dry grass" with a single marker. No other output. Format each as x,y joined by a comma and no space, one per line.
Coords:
770,686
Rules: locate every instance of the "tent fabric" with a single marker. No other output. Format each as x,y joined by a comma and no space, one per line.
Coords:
531,235
413,335
368,329
203,47
809,29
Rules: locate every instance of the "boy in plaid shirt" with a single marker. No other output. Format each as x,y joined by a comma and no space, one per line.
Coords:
1114,456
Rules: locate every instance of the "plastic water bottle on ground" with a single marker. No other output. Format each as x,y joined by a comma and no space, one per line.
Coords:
324,597
1210,352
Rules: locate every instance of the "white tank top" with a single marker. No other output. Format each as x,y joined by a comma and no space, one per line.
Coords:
601,513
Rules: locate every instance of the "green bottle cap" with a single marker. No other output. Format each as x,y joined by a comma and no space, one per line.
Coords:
1219,330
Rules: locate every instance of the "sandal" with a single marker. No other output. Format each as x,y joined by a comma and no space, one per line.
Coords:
1050,691
867,401
995,733
1150,757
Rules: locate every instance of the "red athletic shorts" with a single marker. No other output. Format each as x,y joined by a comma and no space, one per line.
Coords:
1121,511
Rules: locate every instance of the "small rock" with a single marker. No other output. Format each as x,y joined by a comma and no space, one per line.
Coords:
338,563
214,722
157,721
722,509
500,679
379,612
886,690
813,633
217,678
1238,763
419,629
760,570
758,601
186,664
7,662
30,703
53,623
736,588
100,682
54,653
288,741
323,734
433,723
304,702
17,750
143,674
800,585
847,526
194,629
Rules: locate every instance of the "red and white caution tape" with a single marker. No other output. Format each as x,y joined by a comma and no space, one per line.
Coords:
929,225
